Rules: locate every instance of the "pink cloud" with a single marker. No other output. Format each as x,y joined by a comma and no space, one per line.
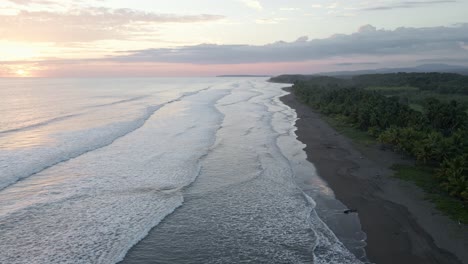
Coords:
88,24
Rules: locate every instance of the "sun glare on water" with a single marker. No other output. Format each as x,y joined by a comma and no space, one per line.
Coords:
22,70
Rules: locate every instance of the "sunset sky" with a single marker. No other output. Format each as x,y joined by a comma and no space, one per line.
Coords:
91,38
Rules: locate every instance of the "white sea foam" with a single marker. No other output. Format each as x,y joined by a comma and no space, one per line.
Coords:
31,149
283,151
93,208
20,163
98,188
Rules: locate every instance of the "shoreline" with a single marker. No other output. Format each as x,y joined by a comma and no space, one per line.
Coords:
401,226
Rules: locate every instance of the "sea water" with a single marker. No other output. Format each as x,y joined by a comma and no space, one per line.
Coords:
200,170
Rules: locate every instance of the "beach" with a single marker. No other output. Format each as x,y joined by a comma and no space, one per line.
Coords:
401,226
208,170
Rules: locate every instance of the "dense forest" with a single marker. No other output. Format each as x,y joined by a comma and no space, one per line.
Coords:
444,83
435,134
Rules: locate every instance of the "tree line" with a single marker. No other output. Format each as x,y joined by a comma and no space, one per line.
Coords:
443,83
437,136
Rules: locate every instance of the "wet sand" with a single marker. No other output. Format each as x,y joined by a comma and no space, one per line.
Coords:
401,226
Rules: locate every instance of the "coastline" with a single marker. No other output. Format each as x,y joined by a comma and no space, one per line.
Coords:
401,226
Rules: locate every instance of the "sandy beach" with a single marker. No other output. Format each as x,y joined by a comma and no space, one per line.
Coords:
401,226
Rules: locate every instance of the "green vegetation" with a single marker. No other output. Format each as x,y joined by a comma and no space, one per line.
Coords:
433,131
423,177
416,107
444,83
341,125
440,83
415,97
392,90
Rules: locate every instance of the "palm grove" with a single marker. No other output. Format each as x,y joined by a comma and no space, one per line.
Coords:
435,134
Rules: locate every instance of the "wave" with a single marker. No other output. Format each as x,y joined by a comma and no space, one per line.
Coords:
39,124
68,116
278,120
15,168
120,101
112,197
95,207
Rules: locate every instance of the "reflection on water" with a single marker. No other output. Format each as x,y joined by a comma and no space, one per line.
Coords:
24,140
89,167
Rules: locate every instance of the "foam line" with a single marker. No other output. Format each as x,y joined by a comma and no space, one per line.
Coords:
128,127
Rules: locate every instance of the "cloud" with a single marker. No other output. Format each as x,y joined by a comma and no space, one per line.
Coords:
368,41
333,5
289,8
356,63
408,4
88,24
30,2
463,61
253,4
367,28
269,21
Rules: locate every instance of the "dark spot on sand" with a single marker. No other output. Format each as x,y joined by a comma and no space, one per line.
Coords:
350,211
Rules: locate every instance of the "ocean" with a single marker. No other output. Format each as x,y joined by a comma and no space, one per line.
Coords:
161,170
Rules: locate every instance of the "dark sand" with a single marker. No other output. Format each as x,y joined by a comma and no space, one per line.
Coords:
401,226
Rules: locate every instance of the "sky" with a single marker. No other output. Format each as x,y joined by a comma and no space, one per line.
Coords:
108,38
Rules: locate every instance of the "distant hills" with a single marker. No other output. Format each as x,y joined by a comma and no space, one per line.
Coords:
421,68
243,75
426,68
